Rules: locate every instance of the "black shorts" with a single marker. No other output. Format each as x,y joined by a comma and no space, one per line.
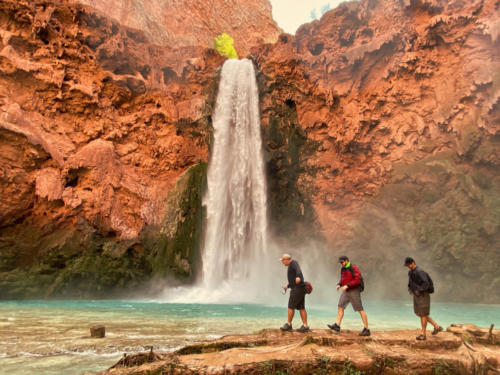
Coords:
422,304
297,298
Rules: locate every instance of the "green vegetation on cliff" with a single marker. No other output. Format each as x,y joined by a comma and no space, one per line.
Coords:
224,45
175,249
287,149
68,263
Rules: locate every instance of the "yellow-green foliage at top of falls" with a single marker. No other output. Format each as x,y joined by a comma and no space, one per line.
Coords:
224,44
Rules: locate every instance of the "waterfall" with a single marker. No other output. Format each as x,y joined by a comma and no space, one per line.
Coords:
240,262
237,266
235,201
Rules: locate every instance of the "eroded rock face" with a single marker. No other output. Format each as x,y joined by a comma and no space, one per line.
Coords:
97,125
189,23
382,124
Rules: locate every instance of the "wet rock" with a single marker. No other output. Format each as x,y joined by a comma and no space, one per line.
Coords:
322,351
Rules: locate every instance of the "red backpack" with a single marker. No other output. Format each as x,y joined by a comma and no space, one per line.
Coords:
309,287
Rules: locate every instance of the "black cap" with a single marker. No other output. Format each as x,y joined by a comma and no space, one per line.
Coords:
343,257
408,261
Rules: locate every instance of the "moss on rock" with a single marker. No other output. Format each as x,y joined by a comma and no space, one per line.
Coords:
42,262
175,250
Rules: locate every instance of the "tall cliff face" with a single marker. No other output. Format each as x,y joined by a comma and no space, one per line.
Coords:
183,23
382,124
381,127
104,139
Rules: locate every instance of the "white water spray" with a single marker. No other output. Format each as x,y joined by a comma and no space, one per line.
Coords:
236,263
236,203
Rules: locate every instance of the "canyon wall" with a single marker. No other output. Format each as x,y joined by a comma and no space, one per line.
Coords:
380,121
186,23
104,136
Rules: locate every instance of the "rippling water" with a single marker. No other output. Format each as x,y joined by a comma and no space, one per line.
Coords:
53,337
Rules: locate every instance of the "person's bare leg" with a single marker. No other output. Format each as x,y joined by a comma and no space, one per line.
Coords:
340,315
423,322
364,318
303,316
291,312
436,326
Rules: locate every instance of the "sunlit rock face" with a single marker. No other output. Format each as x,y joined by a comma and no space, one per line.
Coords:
185,23
103,144
382,125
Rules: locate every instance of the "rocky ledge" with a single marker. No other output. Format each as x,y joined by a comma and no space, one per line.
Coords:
462,349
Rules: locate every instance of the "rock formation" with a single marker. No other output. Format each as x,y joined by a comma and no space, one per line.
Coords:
322,352
187,23
381,127
104,135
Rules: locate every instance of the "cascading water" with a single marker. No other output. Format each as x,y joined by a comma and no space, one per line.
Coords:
236,263
236,203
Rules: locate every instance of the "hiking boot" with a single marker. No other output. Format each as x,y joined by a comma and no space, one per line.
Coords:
303,329
365,332
437,330
334,326
421,338
286,327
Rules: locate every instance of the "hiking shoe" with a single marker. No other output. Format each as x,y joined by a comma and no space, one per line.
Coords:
437,330
303,329
365,332
421,337
334,326
286,327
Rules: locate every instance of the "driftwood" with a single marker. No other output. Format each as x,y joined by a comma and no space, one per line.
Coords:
475,334
138,359
491,336
97,332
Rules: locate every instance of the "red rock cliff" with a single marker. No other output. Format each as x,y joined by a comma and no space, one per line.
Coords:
382,123
104,135
184,23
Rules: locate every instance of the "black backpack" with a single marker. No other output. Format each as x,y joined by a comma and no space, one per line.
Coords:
362,282
431,285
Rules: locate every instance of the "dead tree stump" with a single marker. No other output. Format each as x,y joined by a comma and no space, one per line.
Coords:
97,331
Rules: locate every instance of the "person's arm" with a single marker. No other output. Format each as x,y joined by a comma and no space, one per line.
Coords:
339,284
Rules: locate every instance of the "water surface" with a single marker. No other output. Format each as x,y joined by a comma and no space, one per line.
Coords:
49,338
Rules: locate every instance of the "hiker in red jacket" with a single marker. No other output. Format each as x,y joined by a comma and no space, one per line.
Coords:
350,283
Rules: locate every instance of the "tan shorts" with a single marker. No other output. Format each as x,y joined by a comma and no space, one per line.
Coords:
354,297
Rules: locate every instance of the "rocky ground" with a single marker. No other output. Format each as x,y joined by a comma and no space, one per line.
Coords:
462,349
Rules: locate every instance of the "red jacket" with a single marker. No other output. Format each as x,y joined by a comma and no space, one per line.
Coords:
347,277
